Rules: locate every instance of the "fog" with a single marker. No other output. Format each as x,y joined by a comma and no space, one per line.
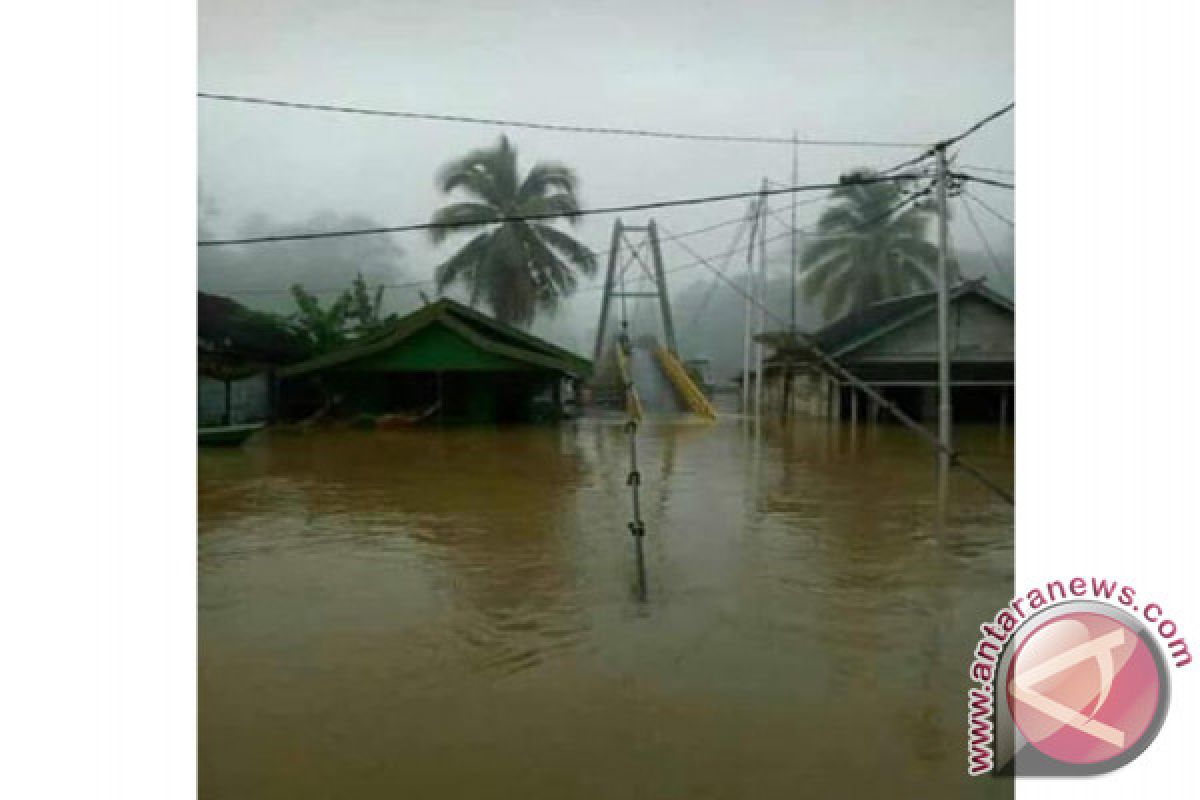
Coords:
865,70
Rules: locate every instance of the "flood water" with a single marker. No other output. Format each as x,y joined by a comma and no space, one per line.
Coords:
454,613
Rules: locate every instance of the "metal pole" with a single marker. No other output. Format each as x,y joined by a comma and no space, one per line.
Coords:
749,311
795,181
746,348
943,330
608,288
785,401
660,277
762,304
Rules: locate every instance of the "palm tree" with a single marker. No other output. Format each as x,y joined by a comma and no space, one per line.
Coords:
868,248
516,267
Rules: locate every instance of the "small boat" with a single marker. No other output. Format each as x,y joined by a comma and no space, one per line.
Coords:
228,435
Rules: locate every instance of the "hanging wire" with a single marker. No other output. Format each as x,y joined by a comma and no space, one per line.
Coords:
547,126
1000,271
988,208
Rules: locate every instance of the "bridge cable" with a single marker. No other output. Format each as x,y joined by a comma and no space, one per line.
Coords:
713,284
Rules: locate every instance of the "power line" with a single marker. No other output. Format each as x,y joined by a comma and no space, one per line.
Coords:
964,177
997,170
547,126
690,264
425,226
945,143
983,239
989,209
994,115
701,261
790,232
430,281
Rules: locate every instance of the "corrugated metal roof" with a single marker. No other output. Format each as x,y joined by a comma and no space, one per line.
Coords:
860,323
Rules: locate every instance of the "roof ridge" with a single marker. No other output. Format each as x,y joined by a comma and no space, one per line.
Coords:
451,313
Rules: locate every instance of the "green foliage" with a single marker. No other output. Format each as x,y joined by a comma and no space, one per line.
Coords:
365,307
517,268
356,313
324,328
864,252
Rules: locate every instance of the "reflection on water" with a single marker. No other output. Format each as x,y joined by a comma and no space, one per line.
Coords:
455,613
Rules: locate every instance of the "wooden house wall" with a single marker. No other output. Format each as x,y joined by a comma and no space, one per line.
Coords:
979,331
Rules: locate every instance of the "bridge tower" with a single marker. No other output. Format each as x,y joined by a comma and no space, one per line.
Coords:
621,255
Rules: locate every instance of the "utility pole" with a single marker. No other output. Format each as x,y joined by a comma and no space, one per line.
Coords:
762,304
746,330
785,405
795,181
943,329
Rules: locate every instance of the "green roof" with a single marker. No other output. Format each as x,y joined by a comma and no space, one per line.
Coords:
451,329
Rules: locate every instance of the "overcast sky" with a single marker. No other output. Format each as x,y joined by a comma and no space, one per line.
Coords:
914,71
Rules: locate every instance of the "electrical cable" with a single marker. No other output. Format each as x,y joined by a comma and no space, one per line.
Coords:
989,209
425,226
546,126
983,239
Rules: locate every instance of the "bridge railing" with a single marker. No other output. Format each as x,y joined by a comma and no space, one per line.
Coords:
679,377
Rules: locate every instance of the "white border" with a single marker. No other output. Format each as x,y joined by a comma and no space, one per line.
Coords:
98,401
1106,332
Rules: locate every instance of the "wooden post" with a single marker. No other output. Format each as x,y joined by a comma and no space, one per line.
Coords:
226,418
1003,410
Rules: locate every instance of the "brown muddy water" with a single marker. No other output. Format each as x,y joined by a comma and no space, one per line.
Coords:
453,613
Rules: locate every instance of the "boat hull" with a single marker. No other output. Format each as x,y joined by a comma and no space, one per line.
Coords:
228,435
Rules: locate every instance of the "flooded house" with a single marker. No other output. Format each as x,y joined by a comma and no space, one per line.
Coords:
892,346
237,351
444,362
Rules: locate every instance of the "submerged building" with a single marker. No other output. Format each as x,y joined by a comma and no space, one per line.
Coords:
238,349
445,361
892,346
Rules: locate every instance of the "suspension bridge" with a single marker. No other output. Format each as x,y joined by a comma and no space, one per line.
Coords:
647,373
